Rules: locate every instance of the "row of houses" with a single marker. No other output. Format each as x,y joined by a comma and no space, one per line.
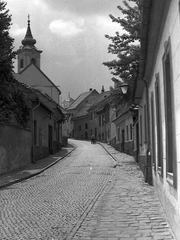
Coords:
93,114
42,136
149,129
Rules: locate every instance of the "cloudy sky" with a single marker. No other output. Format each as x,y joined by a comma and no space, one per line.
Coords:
71,35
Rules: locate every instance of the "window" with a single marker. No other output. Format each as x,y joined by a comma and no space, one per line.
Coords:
99,120
145,124
95,114
91,132
140,129
153,132
21,63
102,136
79,127
103,120
35,132
33,61
118,135
54,125
171,164
91,116
127,133
86,126
131,132
159,125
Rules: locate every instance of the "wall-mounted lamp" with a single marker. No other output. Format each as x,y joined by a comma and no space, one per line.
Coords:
135,107
124,88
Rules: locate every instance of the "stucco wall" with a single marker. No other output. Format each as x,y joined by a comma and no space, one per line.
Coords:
33,77
169,196
80,134
15,148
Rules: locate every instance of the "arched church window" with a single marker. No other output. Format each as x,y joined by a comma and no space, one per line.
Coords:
33,61
21,63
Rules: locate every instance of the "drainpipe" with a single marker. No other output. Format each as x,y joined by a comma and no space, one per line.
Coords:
32,131
148,166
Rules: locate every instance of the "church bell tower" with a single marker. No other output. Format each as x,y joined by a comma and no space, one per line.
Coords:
28,53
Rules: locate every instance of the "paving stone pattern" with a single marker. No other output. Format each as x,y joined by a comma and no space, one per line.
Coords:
129,210
49,206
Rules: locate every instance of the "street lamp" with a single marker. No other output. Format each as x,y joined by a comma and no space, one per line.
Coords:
124,88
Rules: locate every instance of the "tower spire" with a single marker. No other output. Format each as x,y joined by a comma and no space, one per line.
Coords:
28,39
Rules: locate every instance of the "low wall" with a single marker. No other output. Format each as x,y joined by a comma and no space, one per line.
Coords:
40,153
128,146
15,148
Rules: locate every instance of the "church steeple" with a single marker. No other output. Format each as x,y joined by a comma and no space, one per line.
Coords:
28,53
28,39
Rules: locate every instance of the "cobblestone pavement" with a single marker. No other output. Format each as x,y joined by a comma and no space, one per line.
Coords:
128,210
52,204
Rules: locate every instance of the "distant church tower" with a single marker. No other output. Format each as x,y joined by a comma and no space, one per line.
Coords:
28,53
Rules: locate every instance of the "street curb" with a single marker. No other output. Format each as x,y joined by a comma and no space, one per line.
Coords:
34,174
115,159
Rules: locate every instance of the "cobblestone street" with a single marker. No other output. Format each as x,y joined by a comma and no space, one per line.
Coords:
84,197
49,205
129,210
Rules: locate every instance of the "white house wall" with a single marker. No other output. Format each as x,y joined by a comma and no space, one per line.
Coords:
169,196
33,77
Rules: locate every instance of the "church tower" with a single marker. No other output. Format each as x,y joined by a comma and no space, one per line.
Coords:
28,53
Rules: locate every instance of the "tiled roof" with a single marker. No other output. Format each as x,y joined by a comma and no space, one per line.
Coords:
82,112
79,99
101,99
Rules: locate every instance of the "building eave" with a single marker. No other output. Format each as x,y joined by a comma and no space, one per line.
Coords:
154,13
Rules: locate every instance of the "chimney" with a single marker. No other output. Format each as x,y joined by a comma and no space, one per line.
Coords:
102,90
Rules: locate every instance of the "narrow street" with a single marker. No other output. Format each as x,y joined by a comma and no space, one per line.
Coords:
85,197
51,204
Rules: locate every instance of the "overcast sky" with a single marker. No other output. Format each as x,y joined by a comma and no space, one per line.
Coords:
71,35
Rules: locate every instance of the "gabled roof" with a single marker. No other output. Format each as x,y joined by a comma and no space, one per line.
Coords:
82,113
123,110
28,66
101,100
79,99
36,95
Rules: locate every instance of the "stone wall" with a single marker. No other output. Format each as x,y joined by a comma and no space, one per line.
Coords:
15,148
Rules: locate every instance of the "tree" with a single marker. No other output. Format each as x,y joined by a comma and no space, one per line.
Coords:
126,47
13,102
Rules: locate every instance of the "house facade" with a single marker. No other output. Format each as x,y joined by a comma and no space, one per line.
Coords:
99,117
157,91
46,114
78,114
124,141
67,126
